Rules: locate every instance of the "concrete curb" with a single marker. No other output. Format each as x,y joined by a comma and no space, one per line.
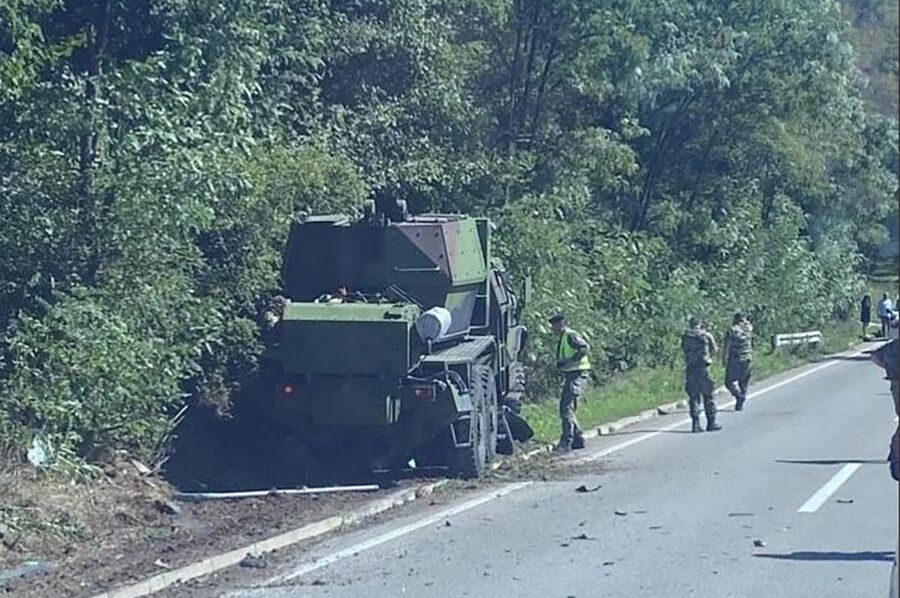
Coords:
666,409
310,531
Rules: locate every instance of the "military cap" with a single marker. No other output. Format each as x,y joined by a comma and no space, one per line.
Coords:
557,317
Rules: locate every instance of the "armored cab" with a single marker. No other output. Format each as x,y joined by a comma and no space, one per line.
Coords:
399,340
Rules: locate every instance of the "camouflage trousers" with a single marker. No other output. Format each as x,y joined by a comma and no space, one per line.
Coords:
699,387
894,455
737,378
574,385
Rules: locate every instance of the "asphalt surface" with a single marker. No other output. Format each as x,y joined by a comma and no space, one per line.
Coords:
793,498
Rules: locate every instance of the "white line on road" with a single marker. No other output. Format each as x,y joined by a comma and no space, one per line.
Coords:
340,555
618,447
332,558
824,493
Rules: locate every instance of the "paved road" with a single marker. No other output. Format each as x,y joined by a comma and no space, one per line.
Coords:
801,473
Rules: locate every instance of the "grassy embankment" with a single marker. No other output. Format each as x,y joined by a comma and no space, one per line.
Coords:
643,389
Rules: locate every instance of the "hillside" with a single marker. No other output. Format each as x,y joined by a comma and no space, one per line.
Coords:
643,162
876,27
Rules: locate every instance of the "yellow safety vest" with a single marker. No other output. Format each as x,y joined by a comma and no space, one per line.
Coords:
565,351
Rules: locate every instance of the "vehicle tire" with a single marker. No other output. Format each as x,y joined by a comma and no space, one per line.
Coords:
469,462
516,377
491,412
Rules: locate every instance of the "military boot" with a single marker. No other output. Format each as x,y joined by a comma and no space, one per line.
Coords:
695,425
739,405
578,441
562,447
711,425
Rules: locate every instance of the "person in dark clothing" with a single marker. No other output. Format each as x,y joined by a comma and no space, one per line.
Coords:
885,310
865,315
888,358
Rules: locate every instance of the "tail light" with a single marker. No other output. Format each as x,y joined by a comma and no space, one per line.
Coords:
424,392
286,390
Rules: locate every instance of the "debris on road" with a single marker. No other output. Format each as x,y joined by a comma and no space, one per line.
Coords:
9,537
447,523
254,562
167,507
759,543
655,527
608,563
23,571
621,513
202,496
845,501
741,514
583,488
162,564
583,536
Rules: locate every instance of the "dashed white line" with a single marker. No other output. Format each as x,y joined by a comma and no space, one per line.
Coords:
831,486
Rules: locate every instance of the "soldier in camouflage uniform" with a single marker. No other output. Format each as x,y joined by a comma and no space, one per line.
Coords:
271,318
737,355
698,347
572,360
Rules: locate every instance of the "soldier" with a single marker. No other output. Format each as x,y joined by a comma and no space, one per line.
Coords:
888,358
272,317
572,360
699,346
737,355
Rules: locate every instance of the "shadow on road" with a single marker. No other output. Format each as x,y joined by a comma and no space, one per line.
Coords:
880,556
831,461
864,357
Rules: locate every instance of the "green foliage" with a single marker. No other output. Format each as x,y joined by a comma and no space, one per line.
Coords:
644,162
88,377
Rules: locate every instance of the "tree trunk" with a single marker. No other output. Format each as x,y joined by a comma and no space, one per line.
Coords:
98,34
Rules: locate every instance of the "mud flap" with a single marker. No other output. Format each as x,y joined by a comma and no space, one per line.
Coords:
518,427
505,444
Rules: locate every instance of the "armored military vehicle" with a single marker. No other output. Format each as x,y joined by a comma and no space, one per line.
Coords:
398,341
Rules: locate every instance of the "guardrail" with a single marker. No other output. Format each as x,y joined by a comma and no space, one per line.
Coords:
812,337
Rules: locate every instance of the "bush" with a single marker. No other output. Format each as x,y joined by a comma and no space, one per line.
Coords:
87,378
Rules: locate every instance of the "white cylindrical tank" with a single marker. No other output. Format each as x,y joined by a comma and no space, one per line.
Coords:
433,324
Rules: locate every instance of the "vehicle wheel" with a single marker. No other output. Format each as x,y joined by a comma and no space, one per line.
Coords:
491,412
516,377
469,462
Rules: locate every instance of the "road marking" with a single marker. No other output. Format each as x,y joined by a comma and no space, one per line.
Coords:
618,447
824,493
340,555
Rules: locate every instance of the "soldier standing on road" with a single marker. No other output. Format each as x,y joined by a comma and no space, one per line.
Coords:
737,355
572,360
888,358
699,346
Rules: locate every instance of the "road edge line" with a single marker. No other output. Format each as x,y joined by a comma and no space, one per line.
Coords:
718,392
445,514
225,560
